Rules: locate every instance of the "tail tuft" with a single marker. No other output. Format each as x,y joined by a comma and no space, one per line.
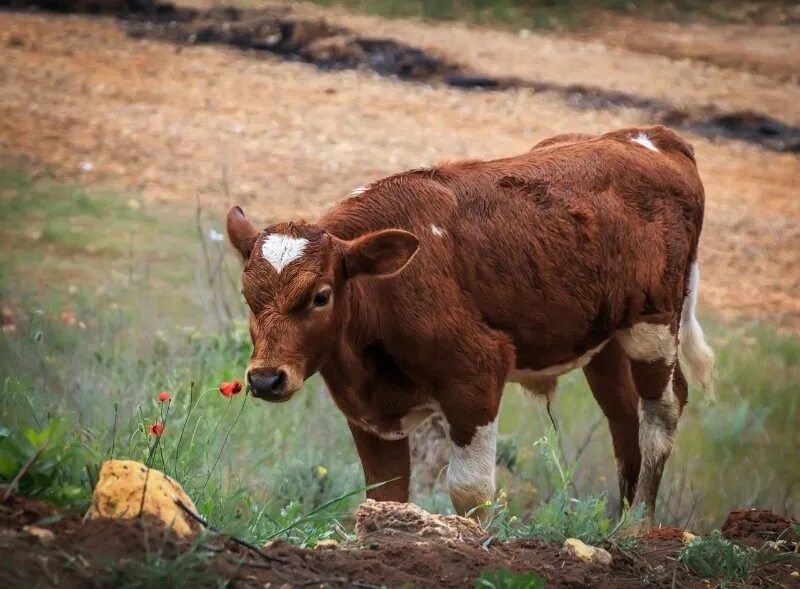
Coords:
695,351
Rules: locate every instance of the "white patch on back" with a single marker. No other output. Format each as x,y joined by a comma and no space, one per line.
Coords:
280,250
437,231
644,140
648,342
358,191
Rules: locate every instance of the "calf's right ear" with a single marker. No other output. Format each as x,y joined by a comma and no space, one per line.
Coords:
381,253
241,232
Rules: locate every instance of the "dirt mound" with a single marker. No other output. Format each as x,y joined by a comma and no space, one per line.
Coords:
397,545
388,517
666,534
758,525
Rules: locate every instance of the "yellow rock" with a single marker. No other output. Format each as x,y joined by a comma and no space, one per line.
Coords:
586,553
43,535
119,494
687,537
327,544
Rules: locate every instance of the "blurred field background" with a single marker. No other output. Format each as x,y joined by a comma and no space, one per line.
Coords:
119,156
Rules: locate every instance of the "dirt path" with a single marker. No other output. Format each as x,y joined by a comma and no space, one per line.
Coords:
79,95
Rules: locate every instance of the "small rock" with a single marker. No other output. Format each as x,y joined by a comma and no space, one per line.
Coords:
795,574
328,544
582,551
86,167
44,536
687,537
119,494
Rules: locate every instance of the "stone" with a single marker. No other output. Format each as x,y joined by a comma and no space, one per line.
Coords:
586,553
327,544
389,517
119,490
43,535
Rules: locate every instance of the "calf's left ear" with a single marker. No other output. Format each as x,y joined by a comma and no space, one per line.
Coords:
381,253
241,232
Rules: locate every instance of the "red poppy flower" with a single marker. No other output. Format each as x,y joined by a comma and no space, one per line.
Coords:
163,397
230,388
156,429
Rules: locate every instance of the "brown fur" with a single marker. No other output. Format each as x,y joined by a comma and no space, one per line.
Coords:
540,258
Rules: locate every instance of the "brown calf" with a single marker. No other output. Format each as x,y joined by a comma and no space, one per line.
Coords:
429,290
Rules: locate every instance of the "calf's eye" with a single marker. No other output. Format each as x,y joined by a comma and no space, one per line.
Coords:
322,298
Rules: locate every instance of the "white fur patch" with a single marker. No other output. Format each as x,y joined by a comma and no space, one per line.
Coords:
648,342
658,421
437,231
408,423
471,470
358,191
644,140
280,250
521,376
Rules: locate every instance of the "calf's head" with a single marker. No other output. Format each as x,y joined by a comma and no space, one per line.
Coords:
295,283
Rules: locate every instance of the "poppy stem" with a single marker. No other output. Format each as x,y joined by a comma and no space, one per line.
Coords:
176,450
225,441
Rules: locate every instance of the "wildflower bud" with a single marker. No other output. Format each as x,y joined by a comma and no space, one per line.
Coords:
156,429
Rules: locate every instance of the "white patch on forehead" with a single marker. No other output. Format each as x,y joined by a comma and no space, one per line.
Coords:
644,140
437,231
280,250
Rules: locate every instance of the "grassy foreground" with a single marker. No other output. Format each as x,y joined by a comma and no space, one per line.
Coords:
106,304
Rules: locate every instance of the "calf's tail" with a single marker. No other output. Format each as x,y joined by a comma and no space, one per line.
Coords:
697,354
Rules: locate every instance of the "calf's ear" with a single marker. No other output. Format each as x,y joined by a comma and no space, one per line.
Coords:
381,253
241,232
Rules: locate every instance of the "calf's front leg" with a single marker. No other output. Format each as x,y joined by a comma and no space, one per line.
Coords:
470,475
384,460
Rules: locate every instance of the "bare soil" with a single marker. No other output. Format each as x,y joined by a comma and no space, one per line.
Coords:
98,553
178,124
768,49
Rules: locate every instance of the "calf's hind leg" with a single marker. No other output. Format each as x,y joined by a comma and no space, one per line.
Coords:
652,349
609,377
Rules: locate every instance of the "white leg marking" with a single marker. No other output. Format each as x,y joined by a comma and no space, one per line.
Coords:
470,476
698,355
437,231
280,250
644,140
658,422
648,342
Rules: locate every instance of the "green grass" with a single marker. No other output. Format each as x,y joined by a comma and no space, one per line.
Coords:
716,557
83,386
504,579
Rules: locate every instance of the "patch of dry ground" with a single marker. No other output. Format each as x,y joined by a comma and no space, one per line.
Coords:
772,50
79,95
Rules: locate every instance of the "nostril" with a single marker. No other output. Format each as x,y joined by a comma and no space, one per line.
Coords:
276,381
